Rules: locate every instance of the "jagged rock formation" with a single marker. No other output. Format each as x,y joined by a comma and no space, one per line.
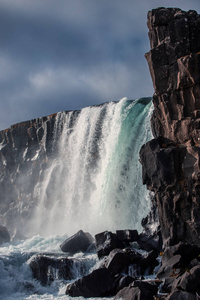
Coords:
171,161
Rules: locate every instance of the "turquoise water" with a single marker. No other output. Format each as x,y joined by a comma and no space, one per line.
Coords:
94,182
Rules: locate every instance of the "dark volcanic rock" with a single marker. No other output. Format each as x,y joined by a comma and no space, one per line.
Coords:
190,280
181,295
139,290
149,262
150,242
99,283
47,268
123,281
171,268
4,235
127,235
180,268
171,161
117,261
80,241
107,241
188,252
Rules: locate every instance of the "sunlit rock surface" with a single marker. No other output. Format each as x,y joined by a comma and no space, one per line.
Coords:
171,164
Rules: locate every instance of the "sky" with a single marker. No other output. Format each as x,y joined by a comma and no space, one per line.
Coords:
60,55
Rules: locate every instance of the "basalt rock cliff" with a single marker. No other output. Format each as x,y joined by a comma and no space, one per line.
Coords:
171,161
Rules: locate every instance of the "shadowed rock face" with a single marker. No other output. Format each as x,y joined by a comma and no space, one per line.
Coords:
171,162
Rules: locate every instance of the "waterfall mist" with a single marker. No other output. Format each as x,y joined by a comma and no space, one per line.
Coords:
94,180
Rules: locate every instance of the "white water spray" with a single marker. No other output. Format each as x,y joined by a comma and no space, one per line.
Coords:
94,182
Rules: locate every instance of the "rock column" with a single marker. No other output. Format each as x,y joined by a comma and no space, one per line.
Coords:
171,161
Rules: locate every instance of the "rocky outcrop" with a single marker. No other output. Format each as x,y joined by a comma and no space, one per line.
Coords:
171,161
118,269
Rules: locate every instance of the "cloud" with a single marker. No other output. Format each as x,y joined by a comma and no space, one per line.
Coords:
63,55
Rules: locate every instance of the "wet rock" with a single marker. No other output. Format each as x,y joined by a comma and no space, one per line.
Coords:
127,236
139,290
123,281
150,242
180,268
100,283
148,262
47,268
80,241
150,223
168,284
181,295
107,241
188,253
4,235
171,268
119,260
190,280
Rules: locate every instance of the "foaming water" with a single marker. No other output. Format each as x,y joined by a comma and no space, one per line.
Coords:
16,280
94,182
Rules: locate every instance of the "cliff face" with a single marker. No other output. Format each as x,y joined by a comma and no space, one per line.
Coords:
26,150
171,161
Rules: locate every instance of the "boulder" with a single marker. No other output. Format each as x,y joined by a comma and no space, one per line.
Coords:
148,262
46,268
150,242
123,281
181,295
80,241
171,268
100,283
168,284
131,262
139,290
127,236
118,261
4,235
180,268
107,241
190,280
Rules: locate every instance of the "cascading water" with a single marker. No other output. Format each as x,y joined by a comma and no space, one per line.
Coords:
94,181
91,180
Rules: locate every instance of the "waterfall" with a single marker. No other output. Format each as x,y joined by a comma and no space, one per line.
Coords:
93,182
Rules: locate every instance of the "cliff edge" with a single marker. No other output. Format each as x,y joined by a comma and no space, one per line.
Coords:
171,161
